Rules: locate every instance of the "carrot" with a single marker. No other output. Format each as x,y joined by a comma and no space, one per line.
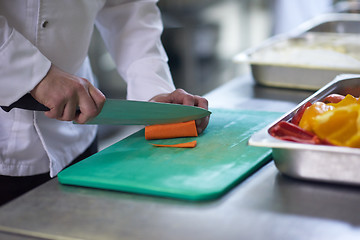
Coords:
172,130
179,145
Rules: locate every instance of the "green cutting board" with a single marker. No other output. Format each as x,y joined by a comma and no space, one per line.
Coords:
221,159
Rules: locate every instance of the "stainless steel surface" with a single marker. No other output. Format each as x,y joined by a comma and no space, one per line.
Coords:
267,205
315,162
289,75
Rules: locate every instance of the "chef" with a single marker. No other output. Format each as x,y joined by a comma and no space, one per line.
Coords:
43,51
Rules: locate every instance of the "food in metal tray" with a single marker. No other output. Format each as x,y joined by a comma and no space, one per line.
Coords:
325,163
334,121
318,50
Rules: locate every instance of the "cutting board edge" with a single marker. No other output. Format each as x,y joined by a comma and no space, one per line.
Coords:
204,196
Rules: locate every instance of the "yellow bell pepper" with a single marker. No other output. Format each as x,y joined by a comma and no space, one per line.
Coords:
349,99
340,126
311,112
337,123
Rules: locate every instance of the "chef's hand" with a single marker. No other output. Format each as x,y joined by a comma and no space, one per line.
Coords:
64,94
179,96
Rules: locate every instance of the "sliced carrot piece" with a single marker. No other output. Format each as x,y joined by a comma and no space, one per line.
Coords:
179,145
172,130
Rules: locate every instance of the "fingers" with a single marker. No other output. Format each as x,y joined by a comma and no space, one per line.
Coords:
69,113
80,108
202,123
98,97
64,94
90,105
64,112
201,102
194,100
180,96
184,98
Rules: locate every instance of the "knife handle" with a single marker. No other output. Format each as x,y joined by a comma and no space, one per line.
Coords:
26,102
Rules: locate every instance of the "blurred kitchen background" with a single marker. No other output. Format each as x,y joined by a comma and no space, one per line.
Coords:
202,36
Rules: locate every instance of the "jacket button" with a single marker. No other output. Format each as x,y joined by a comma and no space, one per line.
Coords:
44,24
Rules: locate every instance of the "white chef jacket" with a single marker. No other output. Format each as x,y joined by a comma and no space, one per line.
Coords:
36,33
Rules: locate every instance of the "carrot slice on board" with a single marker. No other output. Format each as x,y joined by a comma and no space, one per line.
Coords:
172,130
179,145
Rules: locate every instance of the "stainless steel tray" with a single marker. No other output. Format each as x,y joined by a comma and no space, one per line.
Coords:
291,75
315,162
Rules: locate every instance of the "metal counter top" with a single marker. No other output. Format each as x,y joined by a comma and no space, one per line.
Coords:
267,205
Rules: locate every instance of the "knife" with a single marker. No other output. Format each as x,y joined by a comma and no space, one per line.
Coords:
127,112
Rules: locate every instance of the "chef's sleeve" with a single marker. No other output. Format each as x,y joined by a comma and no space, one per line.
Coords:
22,65
131,31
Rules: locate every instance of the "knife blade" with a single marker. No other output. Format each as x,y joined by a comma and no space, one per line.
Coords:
126,112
